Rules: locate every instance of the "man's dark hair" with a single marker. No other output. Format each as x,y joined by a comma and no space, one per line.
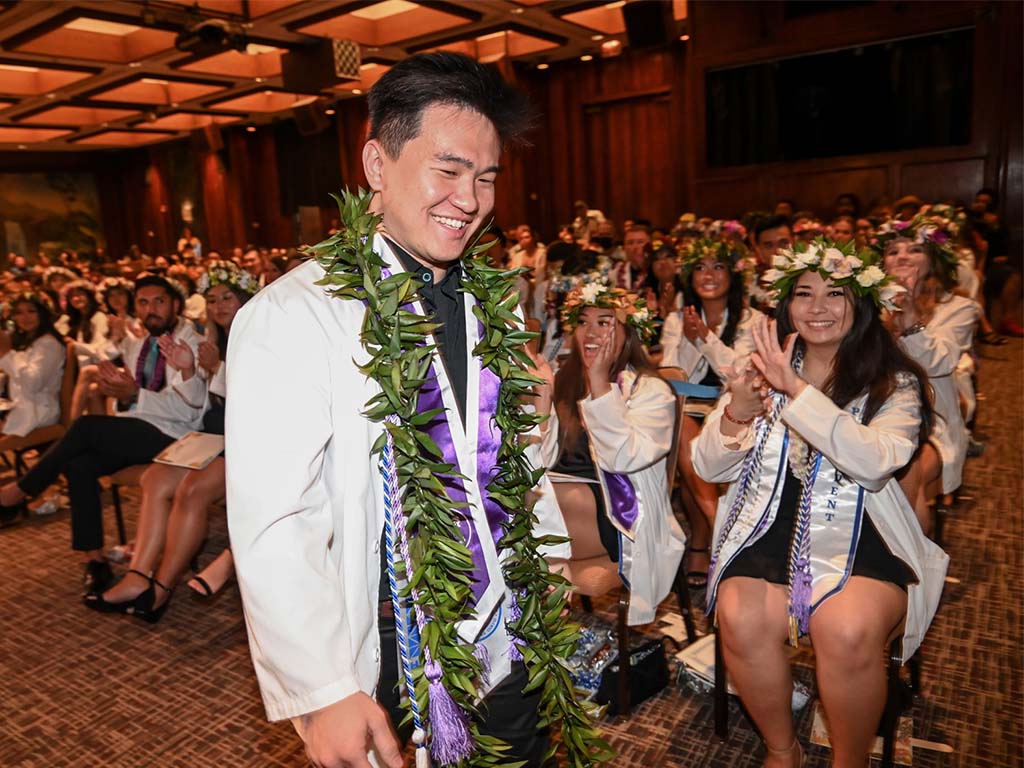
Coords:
771,222
151,280
397,100
992,194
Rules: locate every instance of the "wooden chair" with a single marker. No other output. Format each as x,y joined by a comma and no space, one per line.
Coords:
899,696
597,576
42,437
129,476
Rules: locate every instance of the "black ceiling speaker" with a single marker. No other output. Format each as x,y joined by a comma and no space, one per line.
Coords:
648,22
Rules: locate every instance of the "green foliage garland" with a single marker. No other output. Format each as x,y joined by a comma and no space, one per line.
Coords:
399,362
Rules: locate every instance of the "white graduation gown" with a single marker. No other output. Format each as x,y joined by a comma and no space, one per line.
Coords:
34,379
695,358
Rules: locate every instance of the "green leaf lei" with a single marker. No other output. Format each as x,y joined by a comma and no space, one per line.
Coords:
399,361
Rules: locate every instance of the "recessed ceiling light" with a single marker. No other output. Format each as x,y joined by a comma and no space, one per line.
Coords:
268,93
586,57
595,38
134,64
174,103
684,38
543,65
261,79
328,111
517,10
51,95
23,146
250,128
357,91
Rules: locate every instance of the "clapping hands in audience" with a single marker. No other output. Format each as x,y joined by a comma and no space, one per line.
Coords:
115,382
209,357
178,355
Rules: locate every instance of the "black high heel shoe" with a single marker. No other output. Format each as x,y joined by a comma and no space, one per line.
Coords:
97,602
142,607
9,515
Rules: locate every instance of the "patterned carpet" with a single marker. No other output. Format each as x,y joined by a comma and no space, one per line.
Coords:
83,689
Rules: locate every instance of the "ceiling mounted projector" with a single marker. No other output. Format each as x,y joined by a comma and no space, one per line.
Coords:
211,36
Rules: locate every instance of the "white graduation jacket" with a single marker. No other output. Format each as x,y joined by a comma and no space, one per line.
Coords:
34,376
694,358
867,455
305,495
630,429
938,349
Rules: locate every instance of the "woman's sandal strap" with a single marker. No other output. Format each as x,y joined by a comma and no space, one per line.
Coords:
146,576
203,583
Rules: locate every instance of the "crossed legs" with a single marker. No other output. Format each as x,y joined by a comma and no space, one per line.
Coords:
849,632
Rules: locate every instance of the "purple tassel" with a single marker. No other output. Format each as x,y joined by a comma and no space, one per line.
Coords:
450,740
480,651
800,595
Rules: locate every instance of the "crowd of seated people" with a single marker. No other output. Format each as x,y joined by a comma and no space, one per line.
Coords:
762,311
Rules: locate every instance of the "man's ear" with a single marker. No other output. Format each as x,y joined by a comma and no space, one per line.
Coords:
373,164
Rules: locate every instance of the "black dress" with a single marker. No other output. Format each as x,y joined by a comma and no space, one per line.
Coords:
577,461
768,557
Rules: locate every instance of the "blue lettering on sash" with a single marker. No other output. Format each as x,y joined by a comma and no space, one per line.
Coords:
832,504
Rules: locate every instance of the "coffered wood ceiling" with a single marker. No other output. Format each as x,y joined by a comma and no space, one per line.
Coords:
103,74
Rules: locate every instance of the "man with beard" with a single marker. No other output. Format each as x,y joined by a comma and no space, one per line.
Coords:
152,414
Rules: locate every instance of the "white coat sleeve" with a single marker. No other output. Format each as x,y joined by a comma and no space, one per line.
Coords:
630,436
671,336
36,366
718,458
723,357
869,454
278,426
938,347
96,349
179,401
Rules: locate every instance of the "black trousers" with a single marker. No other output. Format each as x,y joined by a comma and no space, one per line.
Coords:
94,446
509,715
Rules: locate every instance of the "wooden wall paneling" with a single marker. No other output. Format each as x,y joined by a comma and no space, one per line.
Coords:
157,212
729,198
217,235
276,228
949,180
817,190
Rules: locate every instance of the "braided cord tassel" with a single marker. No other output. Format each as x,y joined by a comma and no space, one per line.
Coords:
393,519
750,473
451,740
800,581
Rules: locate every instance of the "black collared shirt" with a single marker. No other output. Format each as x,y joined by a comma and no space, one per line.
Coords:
446,303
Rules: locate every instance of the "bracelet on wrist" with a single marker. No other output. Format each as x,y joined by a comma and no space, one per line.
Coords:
915,328
729,417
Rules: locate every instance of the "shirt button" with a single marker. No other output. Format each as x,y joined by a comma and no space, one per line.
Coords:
376,654
426,277
376,547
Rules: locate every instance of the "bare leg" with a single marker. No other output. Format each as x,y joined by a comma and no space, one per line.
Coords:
754,625
850,631
187,525
700,500
159,484
918,479
579,509
221,570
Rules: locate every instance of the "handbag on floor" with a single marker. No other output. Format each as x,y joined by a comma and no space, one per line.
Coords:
648,675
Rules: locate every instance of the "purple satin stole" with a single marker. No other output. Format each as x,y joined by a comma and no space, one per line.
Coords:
622,495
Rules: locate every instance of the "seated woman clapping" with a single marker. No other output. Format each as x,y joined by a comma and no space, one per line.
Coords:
173,517
91,330
611,426
706,339
935,327
815,534
32,355
84,321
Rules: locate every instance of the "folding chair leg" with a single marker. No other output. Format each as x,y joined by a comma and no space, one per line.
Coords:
894,704
623,693
587,603
682,591
721,694
118,515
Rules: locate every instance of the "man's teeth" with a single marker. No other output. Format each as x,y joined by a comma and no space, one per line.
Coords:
453,223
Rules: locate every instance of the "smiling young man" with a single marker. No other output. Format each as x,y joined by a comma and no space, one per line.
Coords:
305,497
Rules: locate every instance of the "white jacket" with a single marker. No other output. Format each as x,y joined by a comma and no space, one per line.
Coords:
938,349
867,455
176,409
630,430
34,379
694,358
305,496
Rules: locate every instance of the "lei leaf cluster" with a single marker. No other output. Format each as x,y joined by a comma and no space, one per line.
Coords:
705,248
400,357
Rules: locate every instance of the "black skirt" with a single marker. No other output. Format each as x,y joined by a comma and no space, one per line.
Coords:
768,557
576,461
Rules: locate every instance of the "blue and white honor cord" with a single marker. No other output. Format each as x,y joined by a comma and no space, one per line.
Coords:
394,521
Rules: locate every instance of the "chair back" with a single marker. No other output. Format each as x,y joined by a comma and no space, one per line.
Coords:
672,462
67,383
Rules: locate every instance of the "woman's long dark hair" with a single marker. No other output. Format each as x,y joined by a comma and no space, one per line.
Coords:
734,302
868,360
220,335
81,322
571,383
19,339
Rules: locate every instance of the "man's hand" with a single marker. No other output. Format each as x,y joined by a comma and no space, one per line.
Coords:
115,382
178,355
341,735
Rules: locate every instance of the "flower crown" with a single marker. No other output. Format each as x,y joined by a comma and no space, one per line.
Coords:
930,226
595,292
51,272
108,284
698,250
36,297
81,284
720,228
227,273
839,263
805,225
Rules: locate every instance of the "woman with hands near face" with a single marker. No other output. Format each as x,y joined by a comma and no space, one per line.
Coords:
607,438
815,535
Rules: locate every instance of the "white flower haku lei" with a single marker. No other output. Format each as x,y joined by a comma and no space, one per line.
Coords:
227,273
